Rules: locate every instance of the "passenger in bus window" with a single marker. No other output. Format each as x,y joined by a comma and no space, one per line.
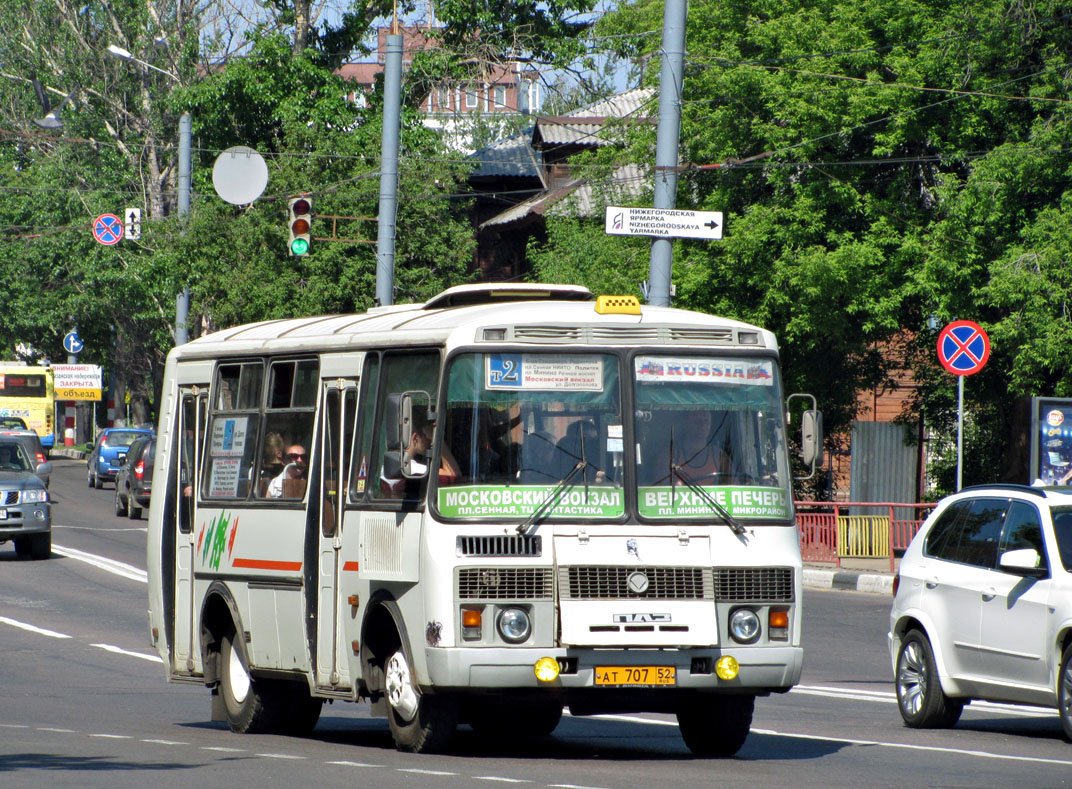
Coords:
272,459
292,478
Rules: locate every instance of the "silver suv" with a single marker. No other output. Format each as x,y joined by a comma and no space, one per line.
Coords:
982,605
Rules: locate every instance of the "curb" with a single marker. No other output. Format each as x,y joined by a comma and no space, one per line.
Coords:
63,452
841,579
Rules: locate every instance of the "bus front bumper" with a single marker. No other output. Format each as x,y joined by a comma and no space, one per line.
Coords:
762,669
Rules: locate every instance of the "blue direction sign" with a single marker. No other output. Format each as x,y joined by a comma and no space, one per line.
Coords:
72,343
963,347
108,229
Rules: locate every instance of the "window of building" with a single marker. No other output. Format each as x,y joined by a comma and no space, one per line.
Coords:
500,96
472,98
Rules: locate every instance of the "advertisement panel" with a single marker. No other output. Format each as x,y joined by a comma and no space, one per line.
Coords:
77,381
1051,440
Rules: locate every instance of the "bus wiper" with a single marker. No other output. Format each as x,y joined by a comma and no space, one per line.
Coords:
552,497
678,472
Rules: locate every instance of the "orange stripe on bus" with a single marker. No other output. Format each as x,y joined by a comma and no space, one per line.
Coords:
350,567
265,564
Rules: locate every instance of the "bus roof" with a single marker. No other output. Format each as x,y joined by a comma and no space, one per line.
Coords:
533,314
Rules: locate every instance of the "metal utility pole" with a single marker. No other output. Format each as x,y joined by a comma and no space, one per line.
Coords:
182,301
675,13
392,104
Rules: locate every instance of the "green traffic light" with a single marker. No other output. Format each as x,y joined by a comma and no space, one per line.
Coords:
299,246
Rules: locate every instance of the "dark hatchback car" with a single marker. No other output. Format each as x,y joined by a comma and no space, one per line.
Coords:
134,483
108,452
25,510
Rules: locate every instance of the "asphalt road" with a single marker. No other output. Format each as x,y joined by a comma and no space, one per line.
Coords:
85,703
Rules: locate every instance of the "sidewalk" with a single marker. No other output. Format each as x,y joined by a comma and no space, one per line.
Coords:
858,575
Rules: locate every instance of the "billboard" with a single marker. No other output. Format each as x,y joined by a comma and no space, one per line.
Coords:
1051,440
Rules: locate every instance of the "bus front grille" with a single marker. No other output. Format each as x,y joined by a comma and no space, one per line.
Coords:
754,584
501,545
637,583
504,583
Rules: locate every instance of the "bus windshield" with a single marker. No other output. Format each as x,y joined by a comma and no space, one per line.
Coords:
710,438
526,428
544,433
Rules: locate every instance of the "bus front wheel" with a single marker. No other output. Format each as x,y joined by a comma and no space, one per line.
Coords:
249,708
419,723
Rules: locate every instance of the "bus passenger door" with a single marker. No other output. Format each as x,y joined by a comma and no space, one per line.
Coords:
188,434
335,447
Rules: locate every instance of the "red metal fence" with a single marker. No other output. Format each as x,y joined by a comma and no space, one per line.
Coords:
829,533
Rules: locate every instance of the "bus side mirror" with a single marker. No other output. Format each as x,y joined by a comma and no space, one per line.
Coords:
410,403
392,423
811,432
811,437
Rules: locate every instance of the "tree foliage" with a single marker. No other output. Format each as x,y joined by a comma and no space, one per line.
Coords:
883,167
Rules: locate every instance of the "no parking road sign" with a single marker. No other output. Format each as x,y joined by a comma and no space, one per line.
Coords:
108,229
963,347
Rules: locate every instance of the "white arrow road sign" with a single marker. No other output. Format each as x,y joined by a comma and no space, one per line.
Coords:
664,222
132,224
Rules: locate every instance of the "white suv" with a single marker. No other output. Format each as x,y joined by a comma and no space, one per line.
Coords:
982,605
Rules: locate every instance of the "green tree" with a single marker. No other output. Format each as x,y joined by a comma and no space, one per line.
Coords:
878,164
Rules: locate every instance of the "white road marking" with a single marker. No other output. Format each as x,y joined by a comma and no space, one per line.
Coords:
911,747
56,729
889,697
222,749
165,742
344,763
121,651
104,563
419,771
501,779
113,736
281,756
39,630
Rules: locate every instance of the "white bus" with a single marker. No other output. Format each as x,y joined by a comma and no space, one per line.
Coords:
512,500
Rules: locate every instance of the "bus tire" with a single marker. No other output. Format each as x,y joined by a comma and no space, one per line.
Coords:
419,723
249,707
302,711
716,726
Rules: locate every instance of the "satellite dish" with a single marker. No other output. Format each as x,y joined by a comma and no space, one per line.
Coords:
240,175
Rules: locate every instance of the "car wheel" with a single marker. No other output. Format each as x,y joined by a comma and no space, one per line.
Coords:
89,475
419,723
133,510
716,726
120,506
1064,693
98,483
920,698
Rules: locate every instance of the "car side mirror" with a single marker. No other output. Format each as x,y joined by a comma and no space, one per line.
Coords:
1023,561
44,471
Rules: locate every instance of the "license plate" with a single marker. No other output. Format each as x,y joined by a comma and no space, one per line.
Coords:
636,675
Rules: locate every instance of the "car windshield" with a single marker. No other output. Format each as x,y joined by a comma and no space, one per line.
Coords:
12,458
121,438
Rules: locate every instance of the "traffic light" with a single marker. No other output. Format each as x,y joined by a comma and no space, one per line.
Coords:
300,224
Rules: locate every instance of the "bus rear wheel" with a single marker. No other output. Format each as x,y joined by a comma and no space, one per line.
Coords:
716,725
419,723
250,707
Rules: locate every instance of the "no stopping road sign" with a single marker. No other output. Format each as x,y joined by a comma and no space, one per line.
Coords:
963,347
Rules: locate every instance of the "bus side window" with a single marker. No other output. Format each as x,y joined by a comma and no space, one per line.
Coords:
360,466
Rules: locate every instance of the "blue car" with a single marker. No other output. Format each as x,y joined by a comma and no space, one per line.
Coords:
108,453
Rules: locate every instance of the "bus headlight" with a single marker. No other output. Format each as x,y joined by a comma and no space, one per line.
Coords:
744,626
514,625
